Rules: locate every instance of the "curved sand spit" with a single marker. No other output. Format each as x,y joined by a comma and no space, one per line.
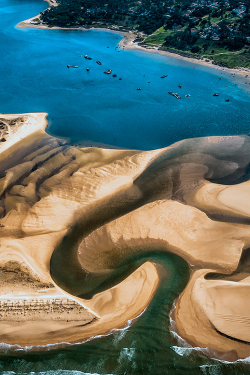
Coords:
184,199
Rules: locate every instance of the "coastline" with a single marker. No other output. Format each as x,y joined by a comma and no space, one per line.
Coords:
128,43
110,310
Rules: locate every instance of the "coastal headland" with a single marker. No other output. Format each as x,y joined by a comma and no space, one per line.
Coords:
189,199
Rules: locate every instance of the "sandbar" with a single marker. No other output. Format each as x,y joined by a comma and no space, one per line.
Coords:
46,186
136,202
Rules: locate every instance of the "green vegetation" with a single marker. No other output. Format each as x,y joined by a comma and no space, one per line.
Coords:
234,59
158,37
141,15
219,31
214,30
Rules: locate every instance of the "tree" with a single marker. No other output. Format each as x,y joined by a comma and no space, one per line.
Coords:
195,49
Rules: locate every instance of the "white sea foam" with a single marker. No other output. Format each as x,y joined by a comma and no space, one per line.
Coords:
211,369
6,348
245,360
127,353
118,336
184,349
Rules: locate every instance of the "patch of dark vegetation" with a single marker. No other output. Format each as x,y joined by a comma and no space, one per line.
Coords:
18,274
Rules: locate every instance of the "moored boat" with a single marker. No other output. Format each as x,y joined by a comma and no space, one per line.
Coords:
175,95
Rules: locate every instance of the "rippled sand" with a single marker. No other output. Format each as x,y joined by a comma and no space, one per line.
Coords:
190,199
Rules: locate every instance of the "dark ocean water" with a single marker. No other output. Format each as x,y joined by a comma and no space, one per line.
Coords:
92,106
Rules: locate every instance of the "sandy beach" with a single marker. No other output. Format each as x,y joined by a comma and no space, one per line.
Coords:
128,43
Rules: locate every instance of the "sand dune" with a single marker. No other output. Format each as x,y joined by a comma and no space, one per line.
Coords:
167,225
215,314
222,200
184,199
42,195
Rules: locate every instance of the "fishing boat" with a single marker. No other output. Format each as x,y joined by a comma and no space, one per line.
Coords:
216,94
114,75
72,66
187,96
99,62
108,71
87,57
139,89
180,86
165,75
87,69
175,95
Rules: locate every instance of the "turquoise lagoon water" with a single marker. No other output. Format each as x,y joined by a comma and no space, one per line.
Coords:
97,108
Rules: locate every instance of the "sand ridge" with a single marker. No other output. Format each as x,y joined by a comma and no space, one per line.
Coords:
43,192
163,200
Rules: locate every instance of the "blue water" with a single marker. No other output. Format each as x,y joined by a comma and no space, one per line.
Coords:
92,106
